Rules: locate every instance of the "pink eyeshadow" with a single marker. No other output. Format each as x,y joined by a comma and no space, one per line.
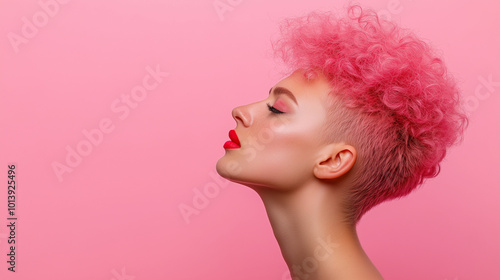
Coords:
280,105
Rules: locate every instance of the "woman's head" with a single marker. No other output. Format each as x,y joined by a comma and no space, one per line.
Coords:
387,95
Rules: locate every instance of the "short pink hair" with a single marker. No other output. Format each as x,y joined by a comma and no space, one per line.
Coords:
396,104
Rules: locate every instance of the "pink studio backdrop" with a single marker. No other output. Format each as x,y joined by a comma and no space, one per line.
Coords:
152,83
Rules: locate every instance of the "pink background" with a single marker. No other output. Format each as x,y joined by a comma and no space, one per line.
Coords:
116,215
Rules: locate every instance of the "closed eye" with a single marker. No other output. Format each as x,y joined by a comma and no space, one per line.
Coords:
273,110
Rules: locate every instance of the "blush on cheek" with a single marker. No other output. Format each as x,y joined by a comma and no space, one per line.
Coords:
280,105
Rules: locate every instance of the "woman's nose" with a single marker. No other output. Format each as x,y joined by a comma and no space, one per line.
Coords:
243,115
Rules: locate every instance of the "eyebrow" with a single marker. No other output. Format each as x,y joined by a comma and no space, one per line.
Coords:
282,90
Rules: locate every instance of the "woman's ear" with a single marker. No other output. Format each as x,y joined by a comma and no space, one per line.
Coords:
336,160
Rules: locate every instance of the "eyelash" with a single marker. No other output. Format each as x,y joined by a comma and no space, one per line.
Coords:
273,110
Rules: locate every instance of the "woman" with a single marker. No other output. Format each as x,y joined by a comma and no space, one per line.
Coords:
366,115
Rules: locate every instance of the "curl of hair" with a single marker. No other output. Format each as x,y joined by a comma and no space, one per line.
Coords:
395,101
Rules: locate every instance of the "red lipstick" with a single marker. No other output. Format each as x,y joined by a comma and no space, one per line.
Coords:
234,143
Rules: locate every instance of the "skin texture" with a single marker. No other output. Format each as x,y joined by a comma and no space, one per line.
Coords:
301,178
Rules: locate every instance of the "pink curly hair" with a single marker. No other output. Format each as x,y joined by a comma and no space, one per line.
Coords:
392,99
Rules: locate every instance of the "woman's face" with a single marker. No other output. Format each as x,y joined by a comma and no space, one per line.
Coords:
279,137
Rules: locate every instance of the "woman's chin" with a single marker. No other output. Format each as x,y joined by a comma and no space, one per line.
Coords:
228,169
224,173
232,172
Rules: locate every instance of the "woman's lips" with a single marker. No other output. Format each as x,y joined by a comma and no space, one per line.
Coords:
234,143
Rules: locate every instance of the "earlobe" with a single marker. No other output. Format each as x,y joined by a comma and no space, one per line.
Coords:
336,163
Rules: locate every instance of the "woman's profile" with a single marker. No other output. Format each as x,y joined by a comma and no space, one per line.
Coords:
365,115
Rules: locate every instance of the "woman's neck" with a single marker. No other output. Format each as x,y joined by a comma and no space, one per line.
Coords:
315,241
